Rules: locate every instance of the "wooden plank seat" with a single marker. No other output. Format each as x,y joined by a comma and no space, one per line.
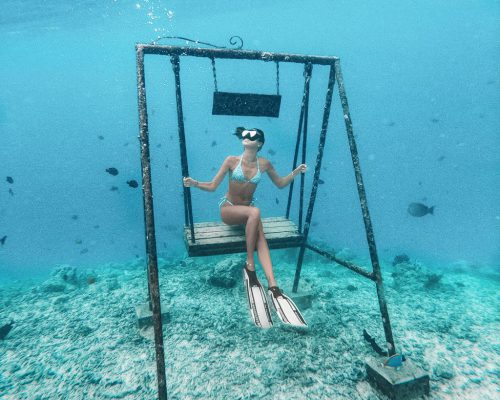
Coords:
212,238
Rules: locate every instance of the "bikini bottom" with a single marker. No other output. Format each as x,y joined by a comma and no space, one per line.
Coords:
225,200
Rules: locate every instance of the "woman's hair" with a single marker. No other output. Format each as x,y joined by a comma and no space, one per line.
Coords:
240,129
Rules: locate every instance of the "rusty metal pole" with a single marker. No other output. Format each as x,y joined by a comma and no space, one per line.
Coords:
297,143
304,144
317,170
188,208
237,54
152,261
366,214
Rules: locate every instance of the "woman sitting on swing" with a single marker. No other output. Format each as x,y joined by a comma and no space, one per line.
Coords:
237,207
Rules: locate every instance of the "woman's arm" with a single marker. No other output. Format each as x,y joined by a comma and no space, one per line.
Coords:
214,183
284,181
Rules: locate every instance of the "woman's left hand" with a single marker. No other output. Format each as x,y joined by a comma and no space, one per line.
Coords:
301,168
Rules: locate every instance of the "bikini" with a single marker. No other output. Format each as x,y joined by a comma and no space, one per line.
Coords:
237,175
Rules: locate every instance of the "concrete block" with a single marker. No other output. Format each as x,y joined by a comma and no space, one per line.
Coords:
406,382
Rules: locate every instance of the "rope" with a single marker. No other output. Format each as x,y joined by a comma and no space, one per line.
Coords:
277,77
214,73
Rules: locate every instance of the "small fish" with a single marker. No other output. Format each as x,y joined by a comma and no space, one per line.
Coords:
2,240
10,180
213,168
441,158
96,226
114,188
11,192
321,181
101,137
392,123
85,250
125,144
78,241
395,361
166,165
5,329
419,209
214,143
112,171
158,145
271,152
277,201
75,217
434,120
133,183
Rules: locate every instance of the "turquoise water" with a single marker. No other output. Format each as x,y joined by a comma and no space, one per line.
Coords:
422,81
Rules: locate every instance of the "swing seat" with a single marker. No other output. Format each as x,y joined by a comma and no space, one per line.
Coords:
248,104
214,238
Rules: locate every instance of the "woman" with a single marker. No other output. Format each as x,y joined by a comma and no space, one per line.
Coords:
237,206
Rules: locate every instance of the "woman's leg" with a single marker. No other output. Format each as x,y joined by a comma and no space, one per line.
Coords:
265,256
240,215
244,215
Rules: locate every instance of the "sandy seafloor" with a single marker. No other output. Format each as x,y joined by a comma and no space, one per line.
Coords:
75,333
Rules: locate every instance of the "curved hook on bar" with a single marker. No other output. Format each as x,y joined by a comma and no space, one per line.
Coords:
233,40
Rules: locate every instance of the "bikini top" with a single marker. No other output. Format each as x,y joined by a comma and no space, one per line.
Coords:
238,175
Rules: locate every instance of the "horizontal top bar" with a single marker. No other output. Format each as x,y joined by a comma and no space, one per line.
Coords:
234,54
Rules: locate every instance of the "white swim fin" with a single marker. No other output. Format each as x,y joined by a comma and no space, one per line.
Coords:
257,301
285,308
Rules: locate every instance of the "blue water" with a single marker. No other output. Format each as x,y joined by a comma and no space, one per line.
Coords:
422,81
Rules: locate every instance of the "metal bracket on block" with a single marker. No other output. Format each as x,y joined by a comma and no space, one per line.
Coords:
302,300
402,383
145,315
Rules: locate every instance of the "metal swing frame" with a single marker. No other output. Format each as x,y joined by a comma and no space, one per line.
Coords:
175,52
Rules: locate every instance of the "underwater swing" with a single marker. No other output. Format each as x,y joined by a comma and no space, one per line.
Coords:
211,238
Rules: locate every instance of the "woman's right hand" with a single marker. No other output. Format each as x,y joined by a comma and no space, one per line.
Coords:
189,182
